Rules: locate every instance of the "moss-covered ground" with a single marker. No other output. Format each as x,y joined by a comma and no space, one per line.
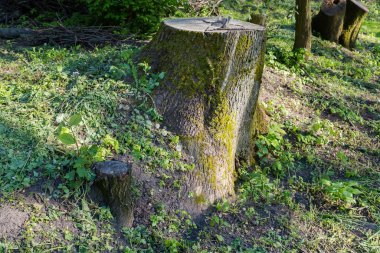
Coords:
315,185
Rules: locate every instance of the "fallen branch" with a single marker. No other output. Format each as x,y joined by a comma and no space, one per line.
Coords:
13,33
87,36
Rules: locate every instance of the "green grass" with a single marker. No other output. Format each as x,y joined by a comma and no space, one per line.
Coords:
40,87
371,28
314,186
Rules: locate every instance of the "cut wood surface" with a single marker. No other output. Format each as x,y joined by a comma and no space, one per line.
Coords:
213,72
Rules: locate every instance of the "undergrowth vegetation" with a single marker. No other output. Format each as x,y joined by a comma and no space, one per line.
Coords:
315,185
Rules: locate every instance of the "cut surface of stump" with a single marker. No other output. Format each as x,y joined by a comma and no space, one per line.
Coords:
114,180
213,72
329,21
355,15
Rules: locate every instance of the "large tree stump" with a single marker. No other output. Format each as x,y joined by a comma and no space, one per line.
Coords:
355,15
329,21
208,97
303,25
114,180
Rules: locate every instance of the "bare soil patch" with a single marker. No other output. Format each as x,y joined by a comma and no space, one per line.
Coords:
11,221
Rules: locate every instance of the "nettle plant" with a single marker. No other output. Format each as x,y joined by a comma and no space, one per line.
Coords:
257,186
340,193
278,56
82,157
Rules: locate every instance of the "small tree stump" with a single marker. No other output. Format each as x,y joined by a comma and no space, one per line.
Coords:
355,15
114,180
258,19
208,97
329,21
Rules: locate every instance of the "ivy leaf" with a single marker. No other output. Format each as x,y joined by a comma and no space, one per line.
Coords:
75,120
70,175
161,75
82,172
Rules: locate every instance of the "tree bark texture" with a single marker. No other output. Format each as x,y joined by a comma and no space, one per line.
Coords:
329,21
355,15
209,94
114,180
303,25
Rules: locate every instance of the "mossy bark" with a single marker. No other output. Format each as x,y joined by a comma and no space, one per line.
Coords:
355,15
303,25
329,21
209,94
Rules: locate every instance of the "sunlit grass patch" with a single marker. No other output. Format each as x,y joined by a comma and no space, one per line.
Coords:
371,28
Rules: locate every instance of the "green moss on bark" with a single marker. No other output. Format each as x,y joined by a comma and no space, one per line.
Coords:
212,81
223,126
200,199
355,15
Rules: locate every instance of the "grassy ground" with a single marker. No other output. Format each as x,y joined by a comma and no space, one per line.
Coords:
315,186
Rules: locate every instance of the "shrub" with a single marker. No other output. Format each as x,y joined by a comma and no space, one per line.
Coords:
136,15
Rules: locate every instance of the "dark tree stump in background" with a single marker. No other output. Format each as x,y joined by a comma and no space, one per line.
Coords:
329,21
355,15
258,19
303,25
114,180
208,97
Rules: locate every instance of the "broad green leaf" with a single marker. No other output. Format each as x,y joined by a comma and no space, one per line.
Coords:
347,194
62,129
353,183
75,120
326,182
220,238
161,75
66,137
70,175
355,191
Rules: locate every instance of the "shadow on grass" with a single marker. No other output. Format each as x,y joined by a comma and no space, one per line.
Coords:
5,56
354,81
24,157
95,92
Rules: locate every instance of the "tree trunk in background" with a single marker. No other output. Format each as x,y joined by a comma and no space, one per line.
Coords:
355,15
329,21
303,25
208,96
